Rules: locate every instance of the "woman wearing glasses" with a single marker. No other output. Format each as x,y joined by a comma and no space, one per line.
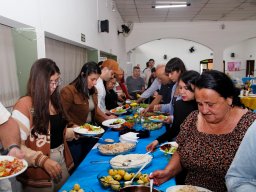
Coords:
43,130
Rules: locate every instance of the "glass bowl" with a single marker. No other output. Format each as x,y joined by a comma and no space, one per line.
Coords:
152,126
114,179
116,148
130,162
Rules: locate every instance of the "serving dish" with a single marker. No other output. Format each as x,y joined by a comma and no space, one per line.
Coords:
151,126
157,118
130,162
114,179
186,188
116,148
138,188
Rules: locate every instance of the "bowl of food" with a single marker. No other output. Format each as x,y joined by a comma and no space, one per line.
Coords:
114,179
116,148
130,162
151,126
138,188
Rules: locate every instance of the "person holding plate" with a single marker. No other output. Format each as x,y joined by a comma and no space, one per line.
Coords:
209,138
80,104
43,130
182,108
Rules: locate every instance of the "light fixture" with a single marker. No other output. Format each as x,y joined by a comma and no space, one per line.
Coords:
161,5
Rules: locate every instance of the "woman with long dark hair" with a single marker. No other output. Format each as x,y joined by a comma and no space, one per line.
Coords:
80,105
43,130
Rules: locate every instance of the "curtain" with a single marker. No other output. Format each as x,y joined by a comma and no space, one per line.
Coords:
9,87
69,58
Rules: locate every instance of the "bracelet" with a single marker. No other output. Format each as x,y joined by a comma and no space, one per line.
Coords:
6,151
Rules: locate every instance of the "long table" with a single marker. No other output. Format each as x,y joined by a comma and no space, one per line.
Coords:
86,173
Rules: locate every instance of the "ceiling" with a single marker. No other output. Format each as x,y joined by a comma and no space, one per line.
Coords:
141,11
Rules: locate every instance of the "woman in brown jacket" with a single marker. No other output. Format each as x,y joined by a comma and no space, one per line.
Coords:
43,130
79,101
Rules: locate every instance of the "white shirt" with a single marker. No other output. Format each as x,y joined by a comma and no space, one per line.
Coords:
101,94
4,114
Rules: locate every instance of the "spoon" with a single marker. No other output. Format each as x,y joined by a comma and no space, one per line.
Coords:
151,182
142,167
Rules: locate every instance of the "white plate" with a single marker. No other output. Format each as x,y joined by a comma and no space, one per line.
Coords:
108,123
151,118
84,131
10,158
118,113
172,143
178,187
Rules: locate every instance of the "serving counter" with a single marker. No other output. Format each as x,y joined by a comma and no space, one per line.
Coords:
86,173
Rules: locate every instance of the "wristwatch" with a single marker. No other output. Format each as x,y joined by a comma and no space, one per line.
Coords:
6,151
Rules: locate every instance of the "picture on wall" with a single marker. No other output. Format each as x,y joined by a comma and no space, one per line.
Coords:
234,66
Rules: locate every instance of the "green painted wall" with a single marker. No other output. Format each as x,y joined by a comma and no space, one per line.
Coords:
92,55
25,46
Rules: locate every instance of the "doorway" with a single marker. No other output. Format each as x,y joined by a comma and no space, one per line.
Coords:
250,68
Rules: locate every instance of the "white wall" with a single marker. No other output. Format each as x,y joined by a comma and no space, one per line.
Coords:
172,48
245,50
210,34
66,20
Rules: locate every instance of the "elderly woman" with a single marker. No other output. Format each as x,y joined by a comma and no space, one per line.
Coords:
209,137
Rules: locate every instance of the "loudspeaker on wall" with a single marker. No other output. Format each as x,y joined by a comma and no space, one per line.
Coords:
104,26
232,55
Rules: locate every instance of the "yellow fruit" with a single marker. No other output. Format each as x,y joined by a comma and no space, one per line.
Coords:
80,190
140,182
115,185
111,172
127,176
121,172
117,177
76,187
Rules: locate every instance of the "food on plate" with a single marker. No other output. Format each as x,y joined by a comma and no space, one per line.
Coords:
116,148
152,126
90,127
130,119
187,188
115,180
134,104
128,125
143,105
158,117
118,110
10,167
118,121
169,148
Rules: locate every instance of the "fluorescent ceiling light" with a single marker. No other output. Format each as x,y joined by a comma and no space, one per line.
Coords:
171,5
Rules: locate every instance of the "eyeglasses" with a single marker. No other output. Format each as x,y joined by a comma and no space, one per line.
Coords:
55,83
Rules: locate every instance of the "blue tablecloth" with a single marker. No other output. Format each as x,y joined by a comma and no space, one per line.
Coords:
86,173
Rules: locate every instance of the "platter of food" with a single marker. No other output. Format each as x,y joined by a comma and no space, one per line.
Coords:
169,147
114,179
151,126
113,123
89,130
186,188
118,111
130,162
116,148
11,166
157,118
